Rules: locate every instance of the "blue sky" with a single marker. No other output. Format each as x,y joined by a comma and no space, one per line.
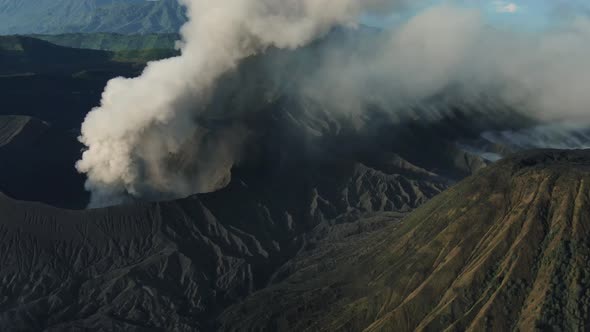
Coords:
531,14
520,14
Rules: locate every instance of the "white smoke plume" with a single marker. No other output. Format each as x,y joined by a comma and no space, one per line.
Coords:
543,73
144,140
143,123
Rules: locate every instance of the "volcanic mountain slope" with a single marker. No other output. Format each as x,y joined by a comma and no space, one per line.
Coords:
177,265
131,268
505,249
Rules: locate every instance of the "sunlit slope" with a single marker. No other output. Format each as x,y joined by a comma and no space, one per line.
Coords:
505,249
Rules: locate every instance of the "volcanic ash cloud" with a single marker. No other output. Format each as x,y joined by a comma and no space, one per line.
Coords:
145,126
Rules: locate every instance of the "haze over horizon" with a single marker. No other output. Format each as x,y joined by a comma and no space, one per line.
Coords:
530,15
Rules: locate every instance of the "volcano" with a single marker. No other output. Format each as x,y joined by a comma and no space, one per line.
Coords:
506,247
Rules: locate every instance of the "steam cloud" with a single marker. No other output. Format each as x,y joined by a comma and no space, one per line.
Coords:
143,123
145,141
544,73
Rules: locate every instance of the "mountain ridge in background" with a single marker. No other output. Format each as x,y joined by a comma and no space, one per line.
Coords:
86,16
116,42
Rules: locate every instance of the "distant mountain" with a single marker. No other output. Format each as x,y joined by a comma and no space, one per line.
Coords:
64,16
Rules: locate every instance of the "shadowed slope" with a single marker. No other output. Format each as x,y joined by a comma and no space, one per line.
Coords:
126,268
36,163
507,248
176,265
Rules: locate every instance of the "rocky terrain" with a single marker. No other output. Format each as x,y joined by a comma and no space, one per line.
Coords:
178,264
175,265
505,249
